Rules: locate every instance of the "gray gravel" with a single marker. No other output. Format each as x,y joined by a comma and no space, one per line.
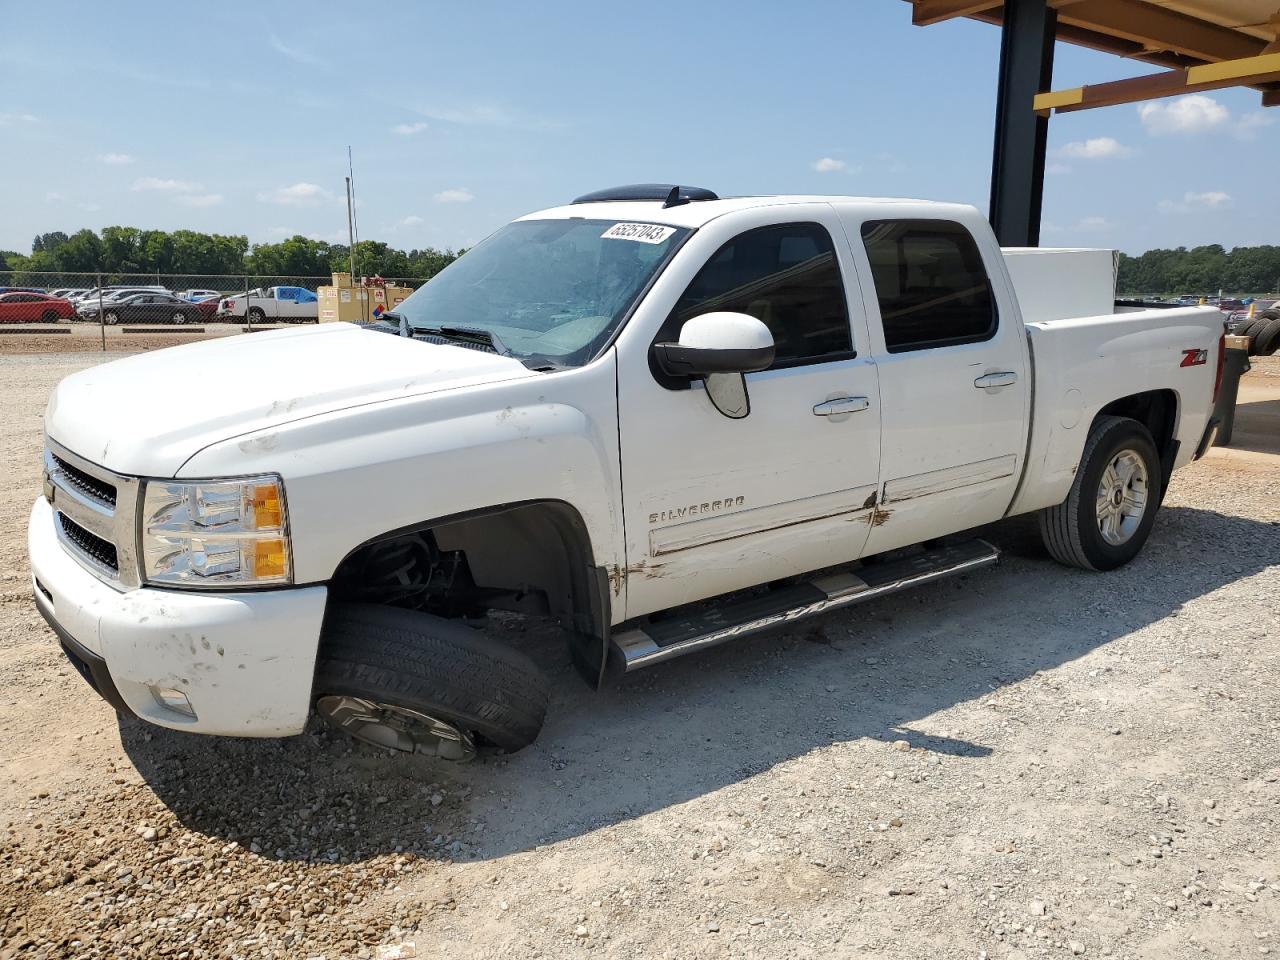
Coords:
1026,762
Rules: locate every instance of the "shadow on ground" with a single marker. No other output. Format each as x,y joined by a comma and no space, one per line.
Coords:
690,727
1257,427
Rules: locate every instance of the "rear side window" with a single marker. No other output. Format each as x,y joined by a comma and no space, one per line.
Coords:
785,276
931,283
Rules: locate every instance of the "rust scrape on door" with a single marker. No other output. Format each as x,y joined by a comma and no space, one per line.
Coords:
648,569
879,516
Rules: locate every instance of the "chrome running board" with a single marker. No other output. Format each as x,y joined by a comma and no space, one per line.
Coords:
651,643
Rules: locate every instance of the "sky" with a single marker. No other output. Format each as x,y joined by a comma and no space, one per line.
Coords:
235,118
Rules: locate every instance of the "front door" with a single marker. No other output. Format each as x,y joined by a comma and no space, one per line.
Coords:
953,380
715,504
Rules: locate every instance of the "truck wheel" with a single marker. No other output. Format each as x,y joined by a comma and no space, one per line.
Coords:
1108,514
410,681
256,315
1266,339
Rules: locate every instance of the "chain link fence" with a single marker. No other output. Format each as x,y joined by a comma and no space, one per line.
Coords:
113,304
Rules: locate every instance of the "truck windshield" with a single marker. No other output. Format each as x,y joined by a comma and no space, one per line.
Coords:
548,290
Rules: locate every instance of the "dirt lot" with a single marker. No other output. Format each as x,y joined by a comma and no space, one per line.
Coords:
1026,762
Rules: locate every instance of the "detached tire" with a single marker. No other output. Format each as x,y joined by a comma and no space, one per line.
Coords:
1266,339
1108,514
415,682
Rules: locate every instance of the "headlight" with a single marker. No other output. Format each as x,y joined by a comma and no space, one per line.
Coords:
215,533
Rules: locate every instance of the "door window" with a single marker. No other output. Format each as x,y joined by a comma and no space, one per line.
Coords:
785,276
931,283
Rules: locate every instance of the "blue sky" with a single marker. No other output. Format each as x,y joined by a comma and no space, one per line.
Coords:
235,118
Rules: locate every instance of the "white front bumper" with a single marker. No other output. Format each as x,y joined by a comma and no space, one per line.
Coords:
244,660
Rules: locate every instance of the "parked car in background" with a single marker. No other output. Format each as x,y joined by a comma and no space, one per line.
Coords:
114,291
24,307
196,296
145,307
208,307
67,293
286,304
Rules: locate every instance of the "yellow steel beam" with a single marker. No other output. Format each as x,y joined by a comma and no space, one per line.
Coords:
1244,70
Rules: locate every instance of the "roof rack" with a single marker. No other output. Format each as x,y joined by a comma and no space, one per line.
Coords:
671,194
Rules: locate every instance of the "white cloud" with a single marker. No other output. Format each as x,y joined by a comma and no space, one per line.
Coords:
1058,168
409,129
830,165
1247,127
1092,224
1192,114
296,195
11,119
115,159
1192,202
156,184
305,57
200,199
411,221
53,196
455,195
1096,148
90,207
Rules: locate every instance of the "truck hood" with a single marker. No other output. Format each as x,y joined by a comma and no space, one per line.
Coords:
148,414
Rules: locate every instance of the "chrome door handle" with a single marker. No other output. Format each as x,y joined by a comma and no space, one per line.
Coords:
833,408
1006,378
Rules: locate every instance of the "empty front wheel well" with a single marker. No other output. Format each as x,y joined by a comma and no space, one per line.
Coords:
1158,411
532,558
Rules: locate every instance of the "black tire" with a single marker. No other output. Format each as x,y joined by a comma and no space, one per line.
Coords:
178,317
1071,530
1251,326
441,668
111,317
256,315
49,316
1266,339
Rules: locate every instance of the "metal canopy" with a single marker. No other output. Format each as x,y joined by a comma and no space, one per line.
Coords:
1169,33
1204,44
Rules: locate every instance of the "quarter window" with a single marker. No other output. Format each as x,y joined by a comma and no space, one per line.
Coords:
785,276
931,283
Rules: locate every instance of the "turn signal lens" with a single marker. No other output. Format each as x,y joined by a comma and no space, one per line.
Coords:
264,506
270,559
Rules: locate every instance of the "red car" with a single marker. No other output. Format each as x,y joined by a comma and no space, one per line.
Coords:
33,308
207,307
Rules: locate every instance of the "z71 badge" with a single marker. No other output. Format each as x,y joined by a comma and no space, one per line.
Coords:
1194,358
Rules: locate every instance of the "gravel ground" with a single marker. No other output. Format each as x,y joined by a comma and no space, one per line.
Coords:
1026,762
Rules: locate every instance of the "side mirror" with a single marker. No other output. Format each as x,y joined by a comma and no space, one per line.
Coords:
719,348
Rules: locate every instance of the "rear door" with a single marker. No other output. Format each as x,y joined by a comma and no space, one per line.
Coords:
954,385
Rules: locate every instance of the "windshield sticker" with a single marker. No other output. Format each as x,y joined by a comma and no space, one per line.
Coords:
643,232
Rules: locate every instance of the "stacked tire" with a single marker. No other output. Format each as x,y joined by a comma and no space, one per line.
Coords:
1263,332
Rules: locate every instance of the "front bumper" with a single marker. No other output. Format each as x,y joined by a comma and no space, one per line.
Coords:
244,660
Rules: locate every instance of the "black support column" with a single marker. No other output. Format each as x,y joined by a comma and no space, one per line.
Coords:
1017,169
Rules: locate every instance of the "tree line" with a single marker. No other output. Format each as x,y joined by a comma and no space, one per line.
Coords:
1201,270
130,250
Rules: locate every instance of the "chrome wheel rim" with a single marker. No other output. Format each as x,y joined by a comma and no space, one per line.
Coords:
179,318
397,728
1122,498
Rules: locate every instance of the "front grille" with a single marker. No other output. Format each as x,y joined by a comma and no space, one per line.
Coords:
90,486
90,544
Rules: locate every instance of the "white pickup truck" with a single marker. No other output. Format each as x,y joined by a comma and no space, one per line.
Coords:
664,419
284,304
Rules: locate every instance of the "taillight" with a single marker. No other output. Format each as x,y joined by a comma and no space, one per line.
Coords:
1222,359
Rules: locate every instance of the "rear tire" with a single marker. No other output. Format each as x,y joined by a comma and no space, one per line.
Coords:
178,317
111,318
49,316
256,315
409,668
1092,529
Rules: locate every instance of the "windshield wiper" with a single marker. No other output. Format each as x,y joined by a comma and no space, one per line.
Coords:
478,335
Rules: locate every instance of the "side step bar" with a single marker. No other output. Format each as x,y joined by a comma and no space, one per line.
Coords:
654,642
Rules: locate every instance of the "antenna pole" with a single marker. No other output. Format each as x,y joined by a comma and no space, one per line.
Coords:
351,233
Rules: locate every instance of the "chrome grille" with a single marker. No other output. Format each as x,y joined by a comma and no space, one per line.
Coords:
86,483
94,511
100,551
